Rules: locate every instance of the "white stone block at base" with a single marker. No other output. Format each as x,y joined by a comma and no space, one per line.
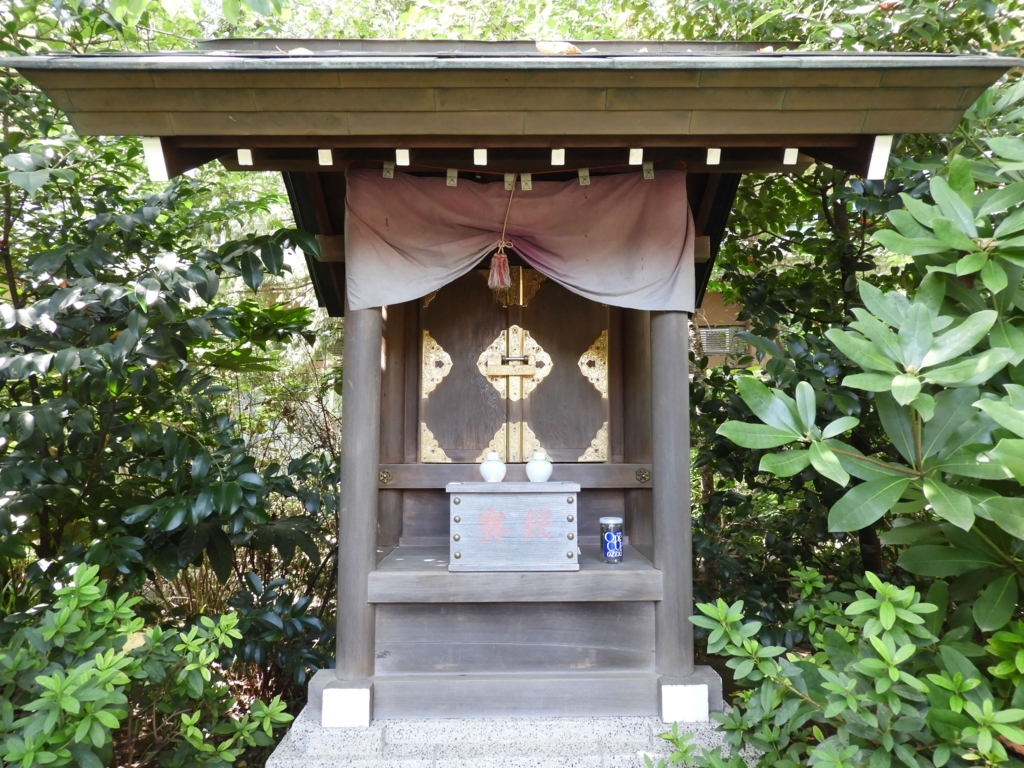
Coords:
685,704
347,707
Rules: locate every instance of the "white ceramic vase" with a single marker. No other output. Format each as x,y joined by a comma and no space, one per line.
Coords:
539,468
492,469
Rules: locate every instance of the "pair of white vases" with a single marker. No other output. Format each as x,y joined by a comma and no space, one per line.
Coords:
538,469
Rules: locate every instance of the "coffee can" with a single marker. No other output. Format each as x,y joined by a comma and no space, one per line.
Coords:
611,539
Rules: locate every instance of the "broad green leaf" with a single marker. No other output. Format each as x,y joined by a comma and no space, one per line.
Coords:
1004,414
125,344
262,7
1011,224
905,246
840,425
860,467
272,255
905,388
865,503
307,242
805,405
915,336
931,292
201,465
19,161
30,181
938,595
1010,148
250,480
961,338
897,424
908,226
974,464
878,333
890,307
227,497
231,9
827,464
953,407
786,463
861,351
765,17
174,516
869,382
995,200
66,360
994,276
969,371
971,263
221,554
1007,512
755,436
952,207
920,210
949,503
995,607
252,270
764,404
942,560
953,237
1009,337
961,180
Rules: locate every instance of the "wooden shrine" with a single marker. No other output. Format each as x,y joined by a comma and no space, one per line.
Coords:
607,395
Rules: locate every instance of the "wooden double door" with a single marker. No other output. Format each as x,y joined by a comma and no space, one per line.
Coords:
517,373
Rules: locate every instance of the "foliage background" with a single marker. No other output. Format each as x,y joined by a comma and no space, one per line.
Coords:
795,248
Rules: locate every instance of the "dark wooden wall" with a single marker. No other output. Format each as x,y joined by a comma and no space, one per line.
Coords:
419,516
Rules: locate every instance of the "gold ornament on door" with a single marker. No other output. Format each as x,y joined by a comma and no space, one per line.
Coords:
514,363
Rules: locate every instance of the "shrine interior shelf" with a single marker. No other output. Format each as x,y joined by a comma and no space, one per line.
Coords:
412,574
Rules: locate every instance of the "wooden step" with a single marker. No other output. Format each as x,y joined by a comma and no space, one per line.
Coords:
420,575
582,694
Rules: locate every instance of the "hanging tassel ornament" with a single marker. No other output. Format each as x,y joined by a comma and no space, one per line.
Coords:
500,278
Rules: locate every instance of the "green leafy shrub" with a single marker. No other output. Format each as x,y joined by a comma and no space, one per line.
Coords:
889,679
880,683
944,367
84,684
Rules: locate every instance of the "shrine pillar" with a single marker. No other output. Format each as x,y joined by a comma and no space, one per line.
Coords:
349,702
680,692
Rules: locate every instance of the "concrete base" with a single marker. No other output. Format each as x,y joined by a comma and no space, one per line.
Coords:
336,703
520,742
690,699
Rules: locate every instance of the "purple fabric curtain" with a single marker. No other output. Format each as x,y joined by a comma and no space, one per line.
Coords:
623,240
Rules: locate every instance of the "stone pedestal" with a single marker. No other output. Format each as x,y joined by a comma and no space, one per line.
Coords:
500,742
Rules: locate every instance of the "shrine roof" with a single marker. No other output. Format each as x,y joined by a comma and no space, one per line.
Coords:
365,88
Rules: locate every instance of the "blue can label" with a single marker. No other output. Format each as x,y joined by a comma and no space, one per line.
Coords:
612,545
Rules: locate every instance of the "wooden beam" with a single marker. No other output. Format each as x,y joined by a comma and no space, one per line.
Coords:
181,159
673,547
421,575
707,202
502,160
439,475
357,526
320,209
702,249
332,248
392,141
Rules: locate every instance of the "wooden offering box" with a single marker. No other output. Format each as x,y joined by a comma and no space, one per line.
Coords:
513,526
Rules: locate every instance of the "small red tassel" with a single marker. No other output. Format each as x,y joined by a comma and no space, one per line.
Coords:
499,279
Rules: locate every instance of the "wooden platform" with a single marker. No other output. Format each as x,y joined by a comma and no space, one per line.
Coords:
515,695
420,575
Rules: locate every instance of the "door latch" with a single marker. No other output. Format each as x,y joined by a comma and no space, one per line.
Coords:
512,366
